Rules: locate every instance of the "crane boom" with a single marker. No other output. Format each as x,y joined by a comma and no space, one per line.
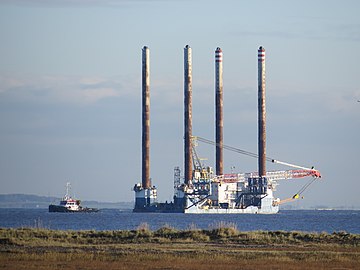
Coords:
289,164
277,175
270,175
293,198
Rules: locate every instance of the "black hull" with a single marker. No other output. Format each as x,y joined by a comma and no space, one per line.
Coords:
61,209
151,210
159,208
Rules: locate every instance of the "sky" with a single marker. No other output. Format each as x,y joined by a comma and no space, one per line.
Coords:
70,92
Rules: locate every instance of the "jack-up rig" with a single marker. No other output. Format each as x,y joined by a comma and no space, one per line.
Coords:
202,191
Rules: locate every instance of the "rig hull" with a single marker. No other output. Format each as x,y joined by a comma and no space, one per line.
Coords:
248,210
197,210
213,197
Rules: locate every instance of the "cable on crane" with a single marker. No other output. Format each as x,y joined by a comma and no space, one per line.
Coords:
230,148
297,195
250,154
306,186
247,153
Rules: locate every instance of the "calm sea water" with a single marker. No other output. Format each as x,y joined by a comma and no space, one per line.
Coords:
113,219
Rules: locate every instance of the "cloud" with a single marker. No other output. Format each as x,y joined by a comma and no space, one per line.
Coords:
320,29
344,102
349,32
76,3
270,34
64,89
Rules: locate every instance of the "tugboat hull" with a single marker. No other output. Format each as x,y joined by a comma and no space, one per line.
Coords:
62,209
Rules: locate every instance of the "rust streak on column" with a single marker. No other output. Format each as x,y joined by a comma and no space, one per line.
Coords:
187,114
219,111
146,118
261,112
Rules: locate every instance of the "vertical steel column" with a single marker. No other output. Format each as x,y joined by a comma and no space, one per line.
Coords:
146,118
219,111
261,112
187,114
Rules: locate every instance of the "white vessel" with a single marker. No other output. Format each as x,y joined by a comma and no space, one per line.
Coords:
235,193
69,204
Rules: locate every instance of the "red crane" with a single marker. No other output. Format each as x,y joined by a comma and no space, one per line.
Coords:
272,176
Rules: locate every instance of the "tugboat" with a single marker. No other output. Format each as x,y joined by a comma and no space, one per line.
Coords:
69,204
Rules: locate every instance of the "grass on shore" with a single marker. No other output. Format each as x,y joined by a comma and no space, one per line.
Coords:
143,234
220,247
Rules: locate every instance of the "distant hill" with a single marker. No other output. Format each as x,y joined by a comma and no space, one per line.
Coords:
35,201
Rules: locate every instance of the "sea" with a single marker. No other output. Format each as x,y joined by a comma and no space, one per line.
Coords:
113,219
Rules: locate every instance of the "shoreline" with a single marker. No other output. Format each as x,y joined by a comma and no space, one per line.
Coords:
224,248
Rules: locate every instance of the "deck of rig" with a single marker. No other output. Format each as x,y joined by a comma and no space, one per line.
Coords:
202,191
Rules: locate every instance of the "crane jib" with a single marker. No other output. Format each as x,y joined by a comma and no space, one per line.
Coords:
313,172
